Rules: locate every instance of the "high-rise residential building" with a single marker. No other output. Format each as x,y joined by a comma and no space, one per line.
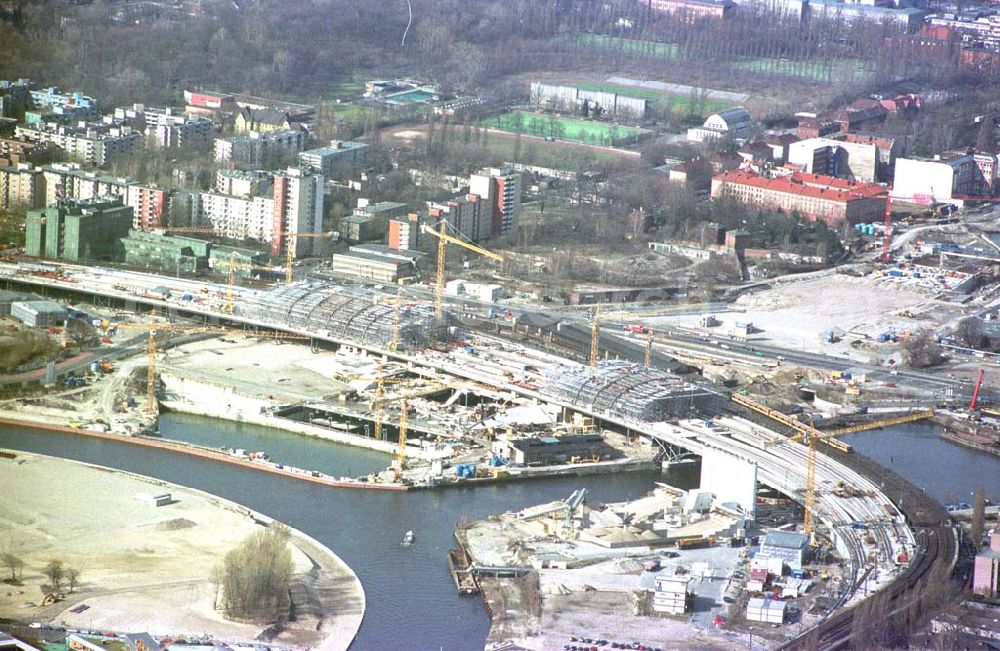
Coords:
167,128
15,98
149,204
86,142
298,208
259,147
21,188
471,215
243,183
78,230
404,232
340,157
292,202
69,181
501,188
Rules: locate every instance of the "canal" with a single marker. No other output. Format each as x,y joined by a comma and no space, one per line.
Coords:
412,601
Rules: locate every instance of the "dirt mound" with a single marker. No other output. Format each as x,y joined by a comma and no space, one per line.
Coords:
175,525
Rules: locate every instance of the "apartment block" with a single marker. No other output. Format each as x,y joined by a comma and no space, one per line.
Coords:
814,196
404,232
298,208
501,188
166,128
21,188
339,157
79,230
56,101
259,147
69,181
89,143
149,205
14,151
241,183
292,202
471,215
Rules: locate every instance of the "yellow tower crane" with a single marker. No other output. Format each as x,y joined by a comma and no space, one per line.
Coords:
812,437
155,329
289,248
626,315
647,358
439,282
289,245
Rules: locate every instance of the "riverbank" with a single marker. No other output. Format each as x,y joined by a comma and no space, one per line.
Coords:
970,434
213,455
145,567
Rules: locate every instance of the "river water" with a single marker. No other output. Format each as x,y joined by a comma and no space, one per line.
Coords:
412,602
945,471
411,599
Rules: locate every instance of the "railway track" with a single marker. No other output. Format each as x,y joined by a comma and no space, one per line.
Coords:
938,549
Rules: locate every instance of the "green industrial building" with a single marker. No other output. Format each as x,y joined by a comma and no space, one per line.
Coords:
172,253
246,262
78,231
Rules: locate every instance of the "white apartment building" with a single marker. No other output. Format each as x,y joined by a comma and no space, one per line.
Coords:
21,188
940,179
256,147
88,143
291,203
166,128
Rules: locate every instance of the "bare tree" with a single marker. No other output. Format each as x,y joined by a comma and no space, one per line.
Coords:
923,350
255,576
55,571
14,564
72,578
978,517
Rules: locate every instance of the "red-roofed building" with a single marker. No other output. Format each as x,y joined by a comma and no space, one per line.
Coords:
813,196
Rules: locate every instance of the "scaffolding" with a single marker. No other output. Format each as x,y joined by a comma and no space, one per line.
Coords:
360,316
628,390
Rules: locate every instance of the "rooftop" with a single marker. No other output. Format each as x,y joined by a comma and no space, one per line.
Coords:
805,184
786,540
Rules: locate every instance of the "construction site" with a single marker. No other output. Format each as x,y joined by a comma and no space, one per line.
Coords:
463,391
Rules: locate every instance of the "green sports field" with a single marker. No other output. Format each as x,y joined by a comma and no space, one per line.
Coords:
840,70
562,128
630,45
678,102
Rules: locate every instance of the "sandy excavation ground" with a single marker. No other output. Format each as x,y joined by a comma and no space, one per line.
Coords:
795,314
146,568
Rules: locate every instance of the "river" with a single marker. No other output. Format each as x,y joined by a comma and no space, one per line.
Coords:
945,471
412,602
